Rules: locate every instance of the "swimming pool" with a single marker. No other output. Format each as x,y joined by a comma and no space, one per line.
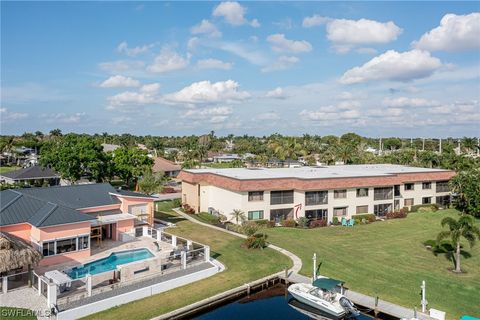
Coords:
109,263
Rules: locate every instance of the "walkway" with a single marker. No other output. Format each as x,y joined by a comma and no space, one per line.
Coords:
27,298
294,276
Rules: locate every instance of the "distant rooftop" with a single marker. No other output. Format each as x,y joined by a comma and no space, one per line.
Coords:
34,172
323,172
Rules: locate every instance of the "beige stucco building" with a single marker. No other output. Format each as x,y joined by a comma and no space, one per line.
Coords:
314,192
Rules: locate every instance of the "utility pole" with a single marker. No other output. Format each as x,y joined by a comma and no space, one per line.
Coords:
314,266
424,300
423,144
440,146
380,146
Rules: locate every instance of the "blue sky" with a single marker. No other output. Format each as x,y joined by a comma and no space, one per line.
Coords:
165,68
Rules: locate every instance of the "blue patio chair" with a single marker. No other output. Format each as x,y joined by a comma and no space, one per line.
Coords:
351,222
344,222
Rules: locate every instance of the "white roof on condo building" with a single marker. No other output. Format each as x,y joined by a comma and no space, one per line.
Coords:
321,172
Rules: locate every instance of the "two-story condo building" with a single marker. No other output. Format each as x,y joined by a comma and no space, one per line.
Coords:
314,192
63,222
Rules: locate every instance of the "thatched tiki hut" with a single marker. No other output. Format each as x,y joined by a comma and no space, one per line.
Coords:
15,253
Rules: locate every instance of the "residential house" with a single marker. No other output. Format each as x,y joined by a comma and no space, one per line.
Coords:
169,168
35,175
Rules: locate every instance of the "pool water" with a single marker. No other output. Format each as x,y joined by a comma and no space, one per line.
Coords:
109,263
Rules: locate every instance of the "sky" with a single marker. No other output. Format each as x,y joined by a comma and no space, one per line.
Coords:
408,69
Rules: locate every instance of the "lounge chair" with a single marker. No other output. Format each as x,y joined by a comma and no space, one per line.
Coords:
351,222
344,222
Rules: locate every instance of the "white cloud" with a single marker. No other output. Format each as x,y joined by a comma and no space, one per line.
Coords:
328,116
267,116
282,63
245,52
206,92
148,94
366,51
455,33
314,20
386,113
7,116
234,14
281,44
132,52
64,118
405,102
277,93
213,115
214,64
168,60
121,66
207,28
121,120
346,34
119,81
394,66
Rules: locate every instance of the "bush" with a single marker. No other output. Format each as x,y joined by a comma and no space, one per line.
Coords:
208,218
188,209
261,223
318,223
234,227
361,218
256,241
270,224
176,203
424,207
250,228
335,221
303,222
288,223
397,214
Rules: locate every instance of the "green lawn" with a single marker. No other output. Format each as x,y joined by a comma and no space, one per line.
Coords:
388,259
243,265
8,169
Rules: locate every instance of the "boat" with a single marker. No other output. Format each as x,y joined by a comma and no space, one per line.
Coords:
310,312
321,295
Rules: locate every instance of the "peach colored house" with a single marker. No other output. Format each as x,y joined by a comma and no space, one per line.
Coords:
63,222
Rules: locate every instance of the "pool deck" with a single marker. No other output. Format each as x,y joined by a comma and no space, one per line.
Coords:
109,247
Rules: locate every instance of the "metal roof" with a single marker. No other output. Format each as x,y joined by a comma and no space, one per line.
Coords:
16,207
327,283
34,172
132,194
76,196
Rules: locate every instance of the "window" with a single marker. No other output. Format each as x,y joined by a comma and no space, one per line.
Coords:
316,197
443,201
83,242
278,215
255,215
338,212
409,186
48,248
139,210
339,194
426,185
255,196
382,209
362,192
442,186
66,245
281,197
383,193
362,209
396,191
408,202
321,214
426,200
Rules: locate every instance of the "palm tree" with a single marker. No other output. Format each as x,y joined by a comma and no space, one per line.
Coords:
465,228
238,215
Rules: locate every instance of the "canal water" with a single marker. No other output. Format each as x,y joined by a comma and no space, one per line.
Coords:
273,303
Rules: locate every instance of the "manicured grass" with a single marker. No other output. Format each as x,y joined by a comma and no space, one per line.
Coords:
388,259
243,265
206,218
8,169
7,313
165,205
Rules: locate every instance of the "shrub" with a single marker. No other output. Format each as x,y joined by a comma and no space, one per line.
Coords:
188,209
397,214
176,203
303,222
318,223
233,227
370,217
256,241
425,207
208,218
288,223
270,224
335,221
261,223
250,228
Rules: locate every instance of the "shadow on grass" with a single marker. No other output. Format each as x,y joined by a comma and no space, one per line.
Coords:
446,249
168,217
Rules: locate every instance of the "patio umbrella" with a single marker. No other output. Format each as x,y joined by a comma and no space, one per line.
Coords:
16,253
